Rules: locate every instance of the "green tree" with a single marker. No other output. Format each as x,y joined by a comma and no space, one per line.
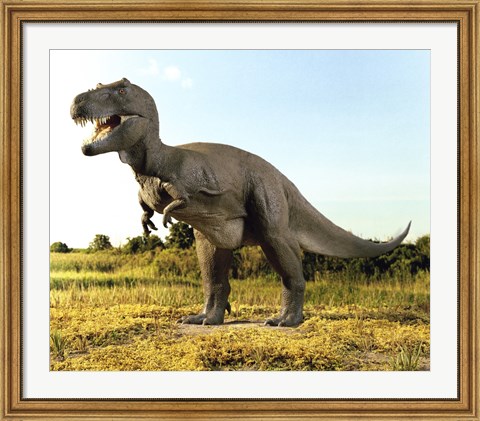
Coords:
180,236
423,247
59,247
142,243
100,242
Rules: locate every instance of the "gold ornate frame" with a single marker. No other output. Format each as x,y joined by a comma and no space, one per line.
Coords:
463,12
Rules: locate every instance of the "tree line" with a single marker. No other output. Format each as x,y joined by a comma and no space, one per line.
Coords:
409,258
180,236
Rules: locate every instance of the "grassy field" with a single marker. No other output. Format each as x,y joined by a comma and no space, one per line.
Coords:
112,311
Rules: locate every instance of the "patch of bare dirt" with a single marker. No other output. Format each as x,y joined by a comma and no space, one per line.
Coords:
188,329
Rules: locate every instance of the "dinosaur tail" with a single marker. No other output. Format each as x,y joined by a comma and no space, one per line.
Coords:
318,234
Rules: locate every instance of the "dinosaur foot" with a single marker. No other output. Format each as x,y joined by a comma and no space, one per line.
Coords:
200,319
287,321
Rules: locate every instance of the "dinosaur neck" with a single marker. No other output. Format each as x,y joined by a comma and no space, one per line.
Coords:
160,160
150,157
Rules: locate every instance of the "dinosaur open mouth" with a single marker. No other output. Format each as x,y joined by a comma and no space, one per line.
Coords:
103,126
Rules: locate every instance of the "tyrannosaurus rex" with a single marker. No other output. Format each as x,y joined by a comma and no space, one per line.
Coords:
229,196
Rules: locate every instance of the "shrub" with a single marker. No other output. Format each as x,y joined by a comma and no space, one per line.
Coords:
141,244
250,262
181,236
100,242
172,263
59,247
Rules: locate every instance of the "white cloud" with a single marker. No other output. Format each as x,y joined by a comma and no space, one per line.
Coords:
187,83
152,68
172,73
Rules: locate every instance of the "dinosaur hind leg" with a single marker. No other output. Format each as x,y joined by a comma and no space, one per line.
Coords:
270,206
284,255
214,264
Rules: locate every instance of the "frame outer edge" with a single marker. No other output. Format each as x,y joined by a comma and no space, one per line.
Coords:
11,217
243,10
5,255
469,229
475,243
3,186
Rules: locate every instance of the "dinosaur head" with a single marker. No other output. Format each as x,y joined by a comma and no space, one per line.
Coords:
122,114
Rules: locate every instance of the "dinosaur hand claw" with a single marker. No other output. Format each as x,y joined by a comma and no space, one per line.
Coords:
167,219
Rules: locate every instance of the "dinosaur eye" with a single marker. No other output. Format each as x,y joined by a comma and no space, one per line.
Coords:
122,91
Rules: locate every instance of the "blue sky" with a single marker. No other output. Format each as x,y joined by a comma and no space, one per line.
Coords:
351,128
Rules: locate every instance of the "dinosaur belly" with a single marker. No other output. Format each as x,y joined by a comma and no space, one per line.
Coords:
221,227
224,234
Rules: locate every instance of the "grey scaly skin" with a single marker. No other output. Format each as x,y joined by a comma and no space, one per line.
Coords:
229,196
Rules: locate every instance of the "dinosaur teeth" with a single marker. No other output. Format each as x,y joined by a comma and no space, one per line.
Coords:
103,126
100,121
82,121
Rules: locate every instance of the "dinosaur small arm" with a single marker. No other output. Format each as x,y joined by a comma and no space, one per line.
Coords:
229,196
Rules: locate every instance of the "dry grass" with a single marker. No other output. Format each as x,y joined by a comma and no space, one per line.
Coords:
116,312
